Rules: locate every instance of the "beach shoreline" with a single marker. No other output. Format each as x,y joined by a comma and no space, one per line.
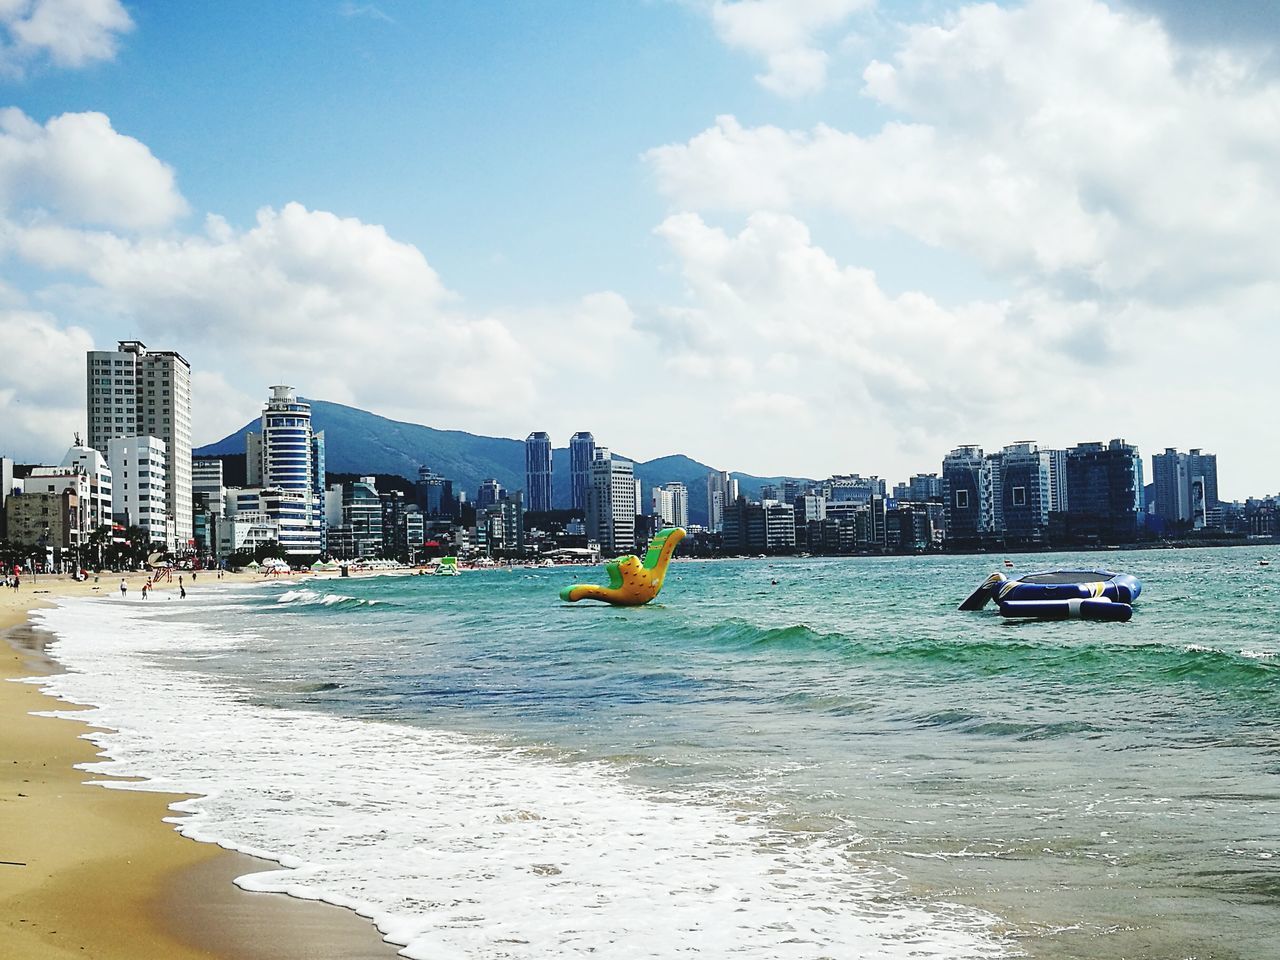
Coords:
90,871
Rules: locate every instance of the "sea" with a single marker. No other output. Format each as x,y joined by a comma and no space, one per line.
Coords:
779,758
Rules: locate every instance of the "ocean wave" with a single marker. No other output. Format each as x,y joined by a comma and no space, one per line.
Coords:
457,848
314,598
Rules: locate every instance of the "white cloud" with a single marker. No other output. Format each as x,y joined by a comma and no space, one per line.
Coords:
1058,142
331,304
41,384
69,33
769,290
78,169
785,34
369,10
778,358
342,311
881,383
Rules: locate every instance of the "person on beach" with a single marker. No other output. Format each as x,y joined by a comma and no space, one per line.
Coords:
146,588
124,588
182,591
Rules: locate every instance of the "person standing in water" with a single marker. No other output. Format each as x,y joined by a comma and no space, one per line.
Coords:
124,588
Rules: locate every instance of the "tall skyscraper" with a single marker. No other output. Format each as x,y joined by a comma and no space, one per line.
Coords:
1104,490
286,460
722,490
1186,487
537,471
582,450
435,494
490,492
968,487
611,504
671,504
1058,501
136,392
1024,492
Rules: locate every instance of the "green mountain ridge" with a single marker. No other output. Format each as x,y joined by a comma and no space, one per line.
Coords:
357,441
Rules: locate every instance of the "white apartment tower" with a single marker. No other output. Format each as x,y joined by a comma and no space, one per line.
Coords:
139,485
136,392
671,504
611,503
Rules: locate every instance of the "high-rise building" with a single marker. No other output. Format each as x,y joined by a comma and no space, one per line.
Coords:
924,487
1104,491
671,504
362,515
136,392
1186,487
1024,492
810,507
1058,501
286,460
969,491
611,504
435,494
207,486
582,450
722,490
490,492
758,527
500,527
537,471
852,488
139,485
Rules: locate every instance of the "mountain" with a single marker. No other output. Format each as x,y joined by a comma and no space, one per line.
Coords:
360,442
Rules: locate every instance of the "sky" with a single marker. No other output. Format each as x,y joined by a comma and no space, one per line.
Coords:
794,237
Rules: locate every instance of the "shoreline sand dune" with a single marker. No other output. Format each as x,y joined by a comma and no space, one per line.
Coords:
95,872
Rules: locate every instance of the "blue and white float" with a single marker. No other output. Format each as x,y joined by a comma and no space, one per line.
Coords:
1060,595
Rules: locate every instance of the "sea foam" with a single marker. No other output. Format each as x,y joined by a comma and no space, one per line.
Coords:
456,847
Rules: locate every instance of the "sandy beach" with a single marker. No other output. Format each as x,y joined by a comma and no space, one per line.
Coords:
87,871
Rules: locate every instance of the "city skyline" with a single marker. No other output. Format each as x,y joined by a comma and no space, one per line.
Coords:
833,225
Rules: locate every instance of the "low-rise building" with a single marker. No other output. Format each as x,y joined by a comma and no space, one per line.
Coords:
50,520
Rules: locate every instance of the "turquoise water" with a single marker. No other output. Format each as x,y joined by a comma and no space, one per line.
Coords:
1094,790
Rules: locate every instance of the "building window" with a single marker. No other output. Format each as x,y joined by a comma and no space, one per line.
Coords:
1019,496
962,499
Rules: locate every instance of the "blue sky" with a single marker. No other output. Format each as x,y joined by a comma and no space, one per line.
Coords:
486,134
865,231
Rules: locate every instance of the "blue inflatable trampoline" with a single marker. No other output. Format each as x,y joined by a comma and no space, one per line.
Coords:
1060,595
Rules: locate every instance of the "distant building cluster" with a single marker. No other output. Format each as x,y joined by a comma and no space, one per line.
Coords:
132,489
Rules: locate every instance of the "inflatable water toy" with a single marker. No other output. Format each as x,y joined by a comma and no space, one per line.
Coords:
632,583
1060,595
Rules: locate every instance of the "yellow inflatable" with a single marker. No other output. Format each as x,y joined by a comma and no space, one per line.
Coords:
632,583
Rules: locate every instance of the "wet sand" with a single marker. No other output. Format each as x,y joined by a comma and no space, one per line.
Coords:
89,871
